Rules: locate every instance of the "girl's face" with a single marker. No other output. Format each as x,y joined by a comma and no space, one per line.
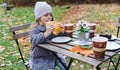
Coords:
45,18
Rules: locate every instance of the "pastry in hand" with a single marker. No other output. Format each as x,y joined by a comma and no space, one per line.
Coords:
57,27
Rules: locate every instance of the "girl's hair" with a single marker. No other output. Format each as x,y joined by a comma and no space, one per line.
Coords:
37,23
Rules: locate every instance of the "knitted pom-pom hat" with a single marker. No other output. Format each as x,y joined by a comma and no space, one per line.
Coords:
41,8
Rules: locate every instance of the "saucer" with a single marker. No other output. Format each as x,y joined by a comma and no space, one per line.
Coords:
82,43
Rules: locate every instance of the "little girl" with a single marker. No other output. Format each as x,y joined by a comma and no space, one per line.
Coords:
42,59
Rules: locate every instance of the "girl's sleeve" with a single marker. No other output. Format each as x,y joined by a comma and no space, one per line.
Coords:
37,37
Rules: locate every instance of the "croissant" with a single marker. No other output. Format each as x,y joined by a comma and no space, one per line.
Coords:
57,28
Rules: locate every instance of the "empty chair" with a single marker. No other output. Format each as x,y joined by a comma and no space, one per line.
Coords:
17,35
118,28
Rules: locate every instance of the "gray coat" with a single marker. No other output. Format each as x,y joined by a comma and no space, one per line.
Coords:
40,59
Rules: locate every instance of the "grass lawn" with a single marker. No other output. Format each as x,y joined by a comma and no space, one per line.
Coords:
9,56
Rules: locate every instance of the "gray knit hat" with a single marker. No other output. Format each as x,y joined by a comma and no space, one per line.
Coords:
41,8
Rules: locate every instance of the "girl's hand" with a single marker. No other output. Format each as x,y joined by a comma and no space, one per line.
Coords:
49,30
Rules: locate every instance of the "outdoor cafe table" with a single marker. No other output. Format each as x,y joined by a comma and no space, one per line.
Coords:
65,50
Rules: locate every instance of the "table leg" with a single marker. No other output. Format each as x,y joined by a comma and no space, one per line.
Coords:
98,68
61,61
109,64
117,63
70,62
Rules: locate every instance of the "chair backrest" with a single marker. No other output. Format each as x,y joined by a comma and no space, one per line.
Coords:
19,32
18,28
118,26
118,19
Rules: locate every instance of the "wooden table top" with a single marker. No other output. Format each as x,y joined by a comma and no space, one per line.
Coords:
65,50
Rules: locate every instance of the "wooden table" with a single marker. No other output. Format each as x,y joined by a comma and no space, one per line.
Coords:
65,50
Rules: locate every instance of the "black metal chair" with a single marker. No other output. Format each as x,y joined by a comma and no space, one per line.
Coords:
6,5
118,28
16,36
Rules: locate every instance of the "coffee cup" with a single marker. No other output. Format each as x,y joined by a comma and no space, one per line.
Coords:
99,45
92,34
92,26
68,29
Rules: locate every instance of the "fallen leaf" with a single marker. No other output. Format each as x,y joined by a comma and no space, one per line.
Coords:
82,51
73,64
9,63
81,66
104,69
1,48
1,65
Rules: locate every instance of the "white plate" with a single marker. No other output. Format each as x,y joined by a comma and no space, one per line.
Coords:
112,46
61,39
114,37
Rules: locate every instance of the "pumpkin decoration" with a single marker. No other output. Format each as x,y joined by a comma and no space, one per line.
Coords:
83,51
57,26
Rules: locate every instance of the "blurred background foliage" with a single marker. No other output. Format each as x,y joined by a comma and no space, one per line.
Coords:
57,2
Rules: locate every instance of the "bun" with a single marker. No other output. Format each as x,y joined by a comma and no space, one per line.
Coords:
57,28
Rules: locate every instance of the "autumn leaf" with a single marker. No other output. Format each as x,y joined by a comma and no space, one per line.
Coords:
1,48
83,51
1,65
24,41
